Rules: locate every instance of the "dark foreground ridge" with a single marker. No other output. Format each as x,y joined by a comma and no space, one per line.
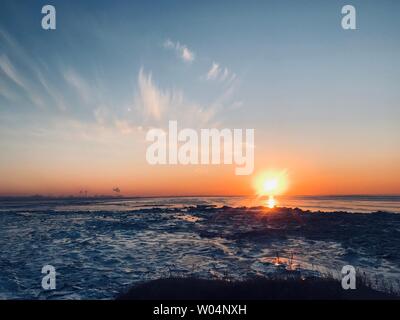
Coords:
253,289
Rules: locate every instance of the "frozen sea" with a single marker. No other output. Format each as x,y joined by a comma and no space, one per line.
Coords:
100,247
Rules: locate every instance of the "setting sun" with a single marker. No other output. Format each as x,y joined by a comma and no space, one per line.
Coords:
271,183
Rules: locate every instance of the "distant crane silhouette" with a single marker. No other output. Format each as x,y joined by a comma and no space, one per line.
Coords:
84,192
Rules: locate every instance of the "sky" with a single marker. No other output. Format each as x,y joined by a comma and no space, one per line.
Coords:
76,102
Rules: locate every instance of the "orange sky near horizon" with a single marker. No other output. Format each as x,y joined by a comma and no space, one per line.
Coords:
309,175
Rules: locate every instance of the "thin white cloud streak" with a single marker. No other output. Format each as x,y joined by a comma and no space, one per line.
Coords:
152,101
52,92
79,84
10,71
181,50
36,96
92,96
158,106
213,72
218,73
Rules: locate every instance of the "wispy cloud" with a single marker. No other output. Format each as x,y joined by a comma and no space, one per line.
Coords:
181,50
93,96
158,106
30,78
12,74
151,100
214,71
57,97
222,74
79,84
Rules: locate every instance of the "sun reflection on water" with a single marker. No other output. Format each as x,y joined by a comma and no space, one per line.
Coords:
271,202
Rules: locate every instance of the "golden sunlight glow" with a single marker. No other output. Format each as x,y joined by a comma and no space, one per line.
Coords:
271,183
271,202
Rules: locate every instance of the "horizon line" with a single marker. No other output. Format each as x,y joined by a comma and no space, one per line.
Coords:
111,196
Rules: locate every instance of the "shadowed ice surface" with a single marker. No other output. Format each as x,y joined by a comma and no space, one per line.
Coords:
100,247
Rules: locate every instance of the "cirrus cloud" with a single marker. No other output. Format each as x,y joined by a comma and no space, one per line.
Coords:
216,72
181,50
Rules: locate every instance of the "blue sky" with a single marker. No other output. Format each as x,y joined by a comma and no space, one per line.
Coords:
113,69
